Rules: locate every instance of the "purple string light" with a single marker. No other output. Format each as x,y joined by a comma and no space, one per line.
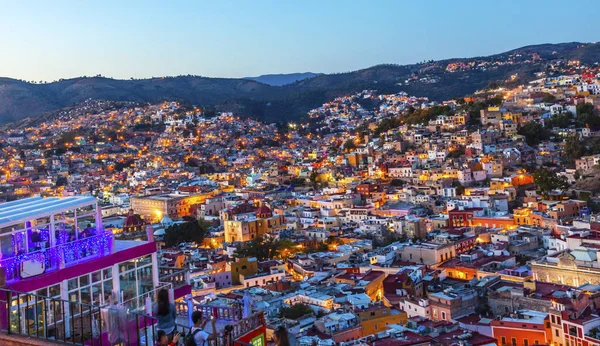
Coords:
67,252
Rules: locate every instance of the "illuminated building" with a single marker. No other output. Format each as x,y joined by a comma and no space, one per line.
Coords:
174,205
375,318
252,227
371,282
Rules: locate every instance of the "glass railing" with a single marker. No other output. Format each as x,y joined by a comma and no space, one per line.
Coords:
29,264
61,321
138,304
177,277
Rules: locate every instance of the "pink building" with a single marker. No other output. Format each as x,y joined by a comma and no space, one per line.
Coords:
56,249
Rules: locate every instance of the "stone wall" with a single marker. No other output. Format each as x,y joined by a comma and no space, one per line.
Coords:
502,304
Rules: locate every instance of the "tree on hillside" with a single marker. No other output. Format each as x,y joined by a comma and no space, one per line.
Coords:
474,111
387,124
546,181
534,133
562,120
192,231
587,115
456,153
574,149
313,179
495,101
548,98
397,183
349,145
61,181
460,189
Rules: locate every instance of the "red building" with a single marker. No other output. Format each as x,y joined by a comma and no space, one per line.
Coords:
577,327
462,217
465,244
366,190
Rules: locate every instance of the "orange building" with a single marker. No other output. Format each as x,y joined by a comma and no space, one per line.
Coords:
526,328
494,222
522,216
522,179
376,317
371,282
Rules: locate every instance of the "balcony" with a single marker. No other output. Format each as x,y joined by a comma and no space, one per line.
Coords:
222,310
60,321
176,277
48,259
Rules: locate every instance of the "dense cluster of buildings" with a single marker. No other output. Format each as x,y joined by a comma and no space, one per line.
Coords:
384,220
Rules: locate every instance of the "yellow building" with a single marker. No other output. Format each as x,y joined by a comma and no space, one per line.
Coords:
499,185
249,229
522,216
243,266
377,317
515,117
371,282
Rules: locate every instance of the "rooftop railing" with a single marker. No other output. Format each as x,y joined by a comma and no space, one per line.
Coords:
59,256
138,303
220,313
177,277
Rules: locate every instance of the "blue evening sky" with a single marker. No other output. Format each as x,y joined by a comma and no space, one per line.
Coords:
46,40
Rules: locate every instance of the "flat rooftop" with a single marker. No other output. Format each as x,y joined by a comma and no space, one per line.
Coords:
528,316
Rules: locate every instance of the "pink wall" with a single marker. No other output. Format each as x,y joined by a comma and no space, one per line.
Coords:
55,277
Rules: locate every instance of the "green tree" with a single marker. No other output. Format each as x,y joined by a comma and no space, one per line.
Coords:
295,311
495,101
574,148
460,189
584,108
587,116
454,154
387,124
313,178
474,111
562,120
548,98
534,133
263,248
397,182
61,181
67,137
546,181
298,181
191,231
349,145
313,246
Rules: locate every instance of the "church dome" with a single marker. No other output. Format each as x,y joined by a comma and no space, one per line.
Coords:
166,221
132,220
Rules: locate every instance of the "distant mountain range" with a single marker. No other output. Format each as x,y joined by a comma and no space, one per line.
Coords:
265,97
283,79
